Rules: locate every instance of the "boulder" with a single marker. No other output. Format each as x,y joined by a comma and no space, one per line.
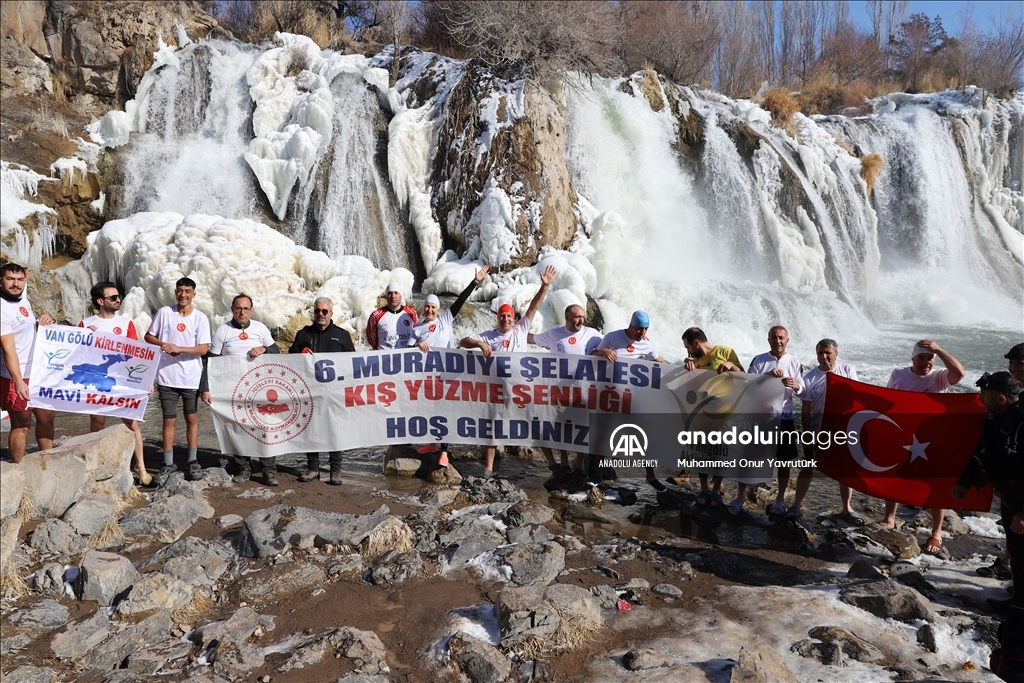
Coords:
235,660
926,638
394,567
235,629
403,467
49,579
46,615
445,476
81,635
863,569
761,664
888,600
951,522
553,616
480,661
120,646
638,660
152,658
91,514
668,590
853,647
58,538
458,554
165,520
12,487
195,561
363,648
280,580
229,520
902,545
274,530
104,576
156,591
526,513
830,654
9,529
32,674
533,564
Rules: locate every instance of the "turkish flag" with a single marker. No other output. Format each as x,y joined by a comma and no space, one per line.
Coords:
906,446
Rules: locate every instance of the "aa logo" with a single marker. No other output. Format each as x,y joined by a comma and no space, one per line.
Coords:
628,441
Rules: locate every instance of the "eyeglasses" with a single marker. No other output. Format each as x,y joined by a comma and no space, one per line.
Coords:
322,311
241,309
116,297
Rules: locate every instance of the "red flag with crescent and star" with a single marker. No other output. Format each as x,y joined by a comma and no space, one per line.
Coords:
906,446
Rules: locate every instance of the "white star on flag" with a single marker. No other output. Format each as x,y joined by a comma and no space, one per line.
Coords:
917,449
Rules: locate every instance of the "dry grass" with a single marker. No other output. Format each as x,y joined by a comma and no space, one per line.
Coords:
870,168
651,88
782,106
595,495
26,509
12,583
45,120
391,534
110,536
573,631
190,613
129,499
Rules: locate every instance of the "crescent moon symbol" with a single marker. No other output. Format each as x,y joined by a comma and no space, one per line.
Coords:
856,424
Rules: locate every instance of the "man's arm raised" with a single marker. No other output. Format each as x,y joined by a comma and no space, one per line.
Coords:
546,278
956,371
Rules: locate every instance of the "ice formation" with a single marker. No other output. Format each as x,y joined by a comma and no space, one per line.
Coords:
17,182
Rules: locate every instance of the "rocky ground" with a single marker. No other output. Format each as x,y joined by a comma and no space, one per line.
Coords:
393,578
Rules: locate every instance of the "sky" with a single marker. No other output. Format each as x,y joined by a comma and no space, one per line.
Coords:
946,9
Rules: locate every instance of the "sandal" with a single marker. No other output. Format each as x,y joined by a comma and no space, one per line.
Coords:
793,514
997,570
715,499
776,510
734,507
933,542
852,518
703,498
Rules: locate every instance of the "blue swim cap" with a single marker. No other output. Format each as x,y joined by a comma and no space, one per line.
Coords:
640,319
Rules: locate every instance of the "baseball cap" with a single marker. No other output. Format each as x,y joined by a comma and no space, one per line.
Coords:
1016,353
1003,382
393,287
640,319
506,308
918,350
432,299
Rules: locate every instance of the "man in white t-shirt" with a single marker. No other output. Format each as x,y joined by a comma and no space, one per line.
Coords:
785,366
922,376
812,396
575,339
107,302
391,326
183,334
632,342
508,337
17,339
242,335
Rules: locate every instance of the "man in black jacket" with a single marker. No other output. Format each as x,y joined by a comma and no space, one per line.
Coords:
998,459
323,336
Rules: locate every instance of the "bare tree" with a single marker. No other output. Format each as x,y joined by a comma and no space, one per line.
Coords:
916,46
678,39
256,21
737,70
1000,58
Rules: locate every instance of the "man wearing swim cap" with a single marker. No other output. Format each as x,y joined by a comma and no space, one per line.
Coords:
508,337
632,342
573,339
921,376
391,326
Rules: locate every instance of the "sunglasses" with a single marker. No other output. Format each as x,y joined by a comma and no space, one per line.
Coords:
322,311
116,297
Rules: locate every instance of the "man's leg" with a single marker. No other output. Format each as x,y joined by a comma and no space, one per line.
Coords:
335,457
489,452
189,399
140,463
44,428
98,422
20,421
269,471
244,469
889,521
741,494
780,496
312,468
803,485
169,408
938,514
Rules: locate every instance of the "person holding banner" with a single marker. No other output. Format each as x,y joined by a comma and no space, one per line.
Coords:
107,302
436,332
574,338
632,342
18,325
510,336
703,355
183,334
921,376
323,336
391,326
242,335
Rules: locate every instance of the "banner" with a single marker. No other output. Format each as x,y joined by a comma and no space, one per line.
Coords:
906,446
76,370
319,402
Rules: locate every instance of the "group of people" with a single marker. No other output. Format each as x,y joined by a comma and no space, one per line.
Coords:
184,336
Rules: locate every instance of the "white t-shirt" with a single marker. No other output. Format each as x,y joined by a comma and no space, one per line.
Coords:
622,345
436,333
766,363
395,330
185,370
814,390
935,382
229,340
17,318
561,340
513,341
118,324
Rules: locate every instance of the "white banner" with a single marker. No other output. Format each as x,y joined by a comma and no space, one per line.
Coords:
336,401
76,370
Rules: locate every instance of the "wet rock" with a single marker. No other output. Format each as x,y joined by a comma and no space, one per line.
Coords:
90,515
81,635
863,569
103,576
482,491
118,647
761,664
902,545
852,646
951,522
165,520
479,661
725,564
156,591
888,600
394,567
638,660
403,467
235,629
864,544
12,487
667,590
196,561
46,614
274,530
901,567
458,554
152,658
577,512
926,637
528,513
228,521
57,538
533,564
32,674
363,648
830,654
917,581
445,476
280,580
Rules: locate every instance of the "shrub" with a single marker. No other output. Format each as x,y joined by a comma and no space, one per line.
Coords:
781,104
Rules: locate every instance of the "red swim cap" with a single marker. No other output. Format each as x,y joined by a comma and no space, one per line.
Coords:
506,308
